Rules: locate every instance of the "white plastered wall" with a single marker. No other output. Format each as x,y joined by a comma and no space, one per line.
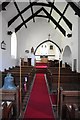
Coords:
7,61
72,42
0,40
38,32
79,45
35,34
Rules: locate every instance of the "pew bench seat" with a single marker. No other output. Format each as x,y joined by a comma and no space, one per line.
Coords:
6,108
71,112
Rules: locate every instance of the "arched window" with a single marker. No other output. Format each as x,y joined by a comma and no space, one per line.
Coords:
13,45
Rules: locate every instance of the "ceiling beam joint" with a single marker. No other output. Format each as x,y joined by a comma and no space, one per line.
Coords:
4,4
51,10
19,12
63,14
32,10
28,19
74,6
44,5
54,21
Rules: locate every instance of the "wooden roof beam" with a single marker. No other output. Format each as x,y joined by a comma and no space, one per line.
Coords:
69,24
15,17
28,19
62,14
51,20
74,6
51,10
64,18
54,21
19,13
32,11
44,5
48,15
4,4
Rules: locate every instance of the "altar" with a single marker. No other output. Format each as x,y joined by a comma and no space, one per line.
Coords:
44,59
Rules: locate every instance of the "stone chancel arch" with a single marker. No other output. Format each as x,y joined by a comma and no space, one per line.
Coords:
49,49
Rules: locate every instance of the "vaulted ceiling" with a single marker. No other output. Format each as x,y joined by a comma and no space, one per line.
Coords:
19,14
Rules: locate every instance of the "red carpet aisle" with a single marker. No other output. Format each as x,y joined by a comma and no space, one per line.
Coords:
39,105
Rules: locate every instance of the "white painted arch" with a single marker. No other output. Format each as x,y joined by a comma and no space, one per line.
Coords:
67,55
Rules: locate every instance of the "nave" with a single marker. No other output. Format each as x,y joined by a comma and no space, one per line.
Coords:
39,99
40,31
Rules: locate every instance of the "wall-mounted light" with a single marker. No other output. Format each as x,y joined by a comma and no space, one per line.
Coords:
9,32
69,35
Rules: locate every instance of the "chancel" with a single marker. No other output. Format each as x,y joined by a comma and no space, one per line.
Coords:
39,59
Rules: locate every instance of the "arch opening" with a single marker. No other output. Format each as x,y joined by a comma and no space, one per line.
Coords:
47,49
67,56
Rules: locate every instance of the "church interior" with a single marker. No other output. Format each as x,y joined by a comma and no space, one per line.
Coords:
40,59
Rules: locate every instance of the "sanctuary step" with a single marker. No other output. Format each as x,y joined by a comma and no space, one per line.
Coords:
41,64
41,68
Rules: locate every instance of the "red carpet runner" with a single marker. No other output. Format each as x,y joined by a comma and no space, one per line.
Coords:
39,105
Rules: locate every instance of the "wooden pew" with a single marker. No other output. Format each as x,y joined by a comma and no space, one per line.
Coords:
28,72
69,101
12,96
16,76
72,112
7,110
63,71
51,71
66,82
67,77
70,82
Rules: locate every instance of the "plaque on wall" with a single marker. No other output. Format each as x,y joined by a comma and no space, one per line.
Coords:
3,45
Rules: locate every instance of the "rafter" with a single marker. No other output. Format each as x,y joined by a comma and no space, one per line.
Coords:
74,6
48,15
51,10
19,13
69,24
32,11
54,21
44,5
63,14
17,28
15,17
4,4
64,32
